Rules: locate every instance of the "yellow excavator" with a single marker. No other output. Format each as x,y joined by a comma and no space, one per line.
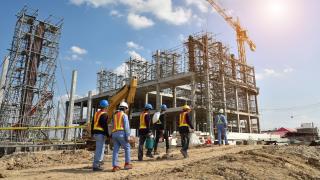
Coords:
127,93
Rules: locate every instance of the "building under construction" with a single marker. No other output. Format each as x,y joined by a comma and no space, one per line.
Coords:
28,76
201,73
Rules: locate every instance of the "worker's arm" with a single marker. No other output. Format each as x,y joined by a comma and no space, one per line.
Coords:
164,121
189,121
92,122
126,126
225,122
148,121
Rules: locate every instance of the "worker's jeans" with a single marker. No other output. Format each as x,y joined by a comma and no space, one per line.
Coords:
185,141
160,133
142,139
119,140
99,153
222,129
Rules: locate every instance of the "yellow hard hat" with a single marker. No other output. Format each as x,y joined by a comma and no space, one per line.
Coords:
186,107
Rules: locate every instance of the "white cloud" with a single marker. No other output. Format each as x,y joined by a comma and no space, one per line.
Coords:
78,50
93,3
76,53
272,73
203,6
134,54
139,22
132,45
115,13
121,70
162,9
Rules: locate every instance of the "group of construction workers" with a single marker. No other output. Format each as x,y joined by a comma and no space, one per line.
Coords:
120,132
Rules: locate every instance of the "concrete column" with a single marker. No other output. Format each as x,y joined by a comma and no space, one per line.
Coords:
248,110
174,94
257,112
57,120
158,75
71,103
89,108
237,108
147,98
193,100
3,77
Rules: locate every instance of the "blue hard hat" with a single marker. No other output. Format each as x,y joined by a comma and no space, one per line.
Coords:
148,106
104,103
163,107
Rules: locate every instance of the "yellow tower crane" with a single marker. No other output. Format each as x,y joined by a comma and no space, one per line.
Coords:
242,35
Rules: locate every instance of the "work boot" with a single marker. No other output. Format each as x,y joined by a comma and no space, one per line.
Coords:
183,153
97,169
149,155
116,168
127,166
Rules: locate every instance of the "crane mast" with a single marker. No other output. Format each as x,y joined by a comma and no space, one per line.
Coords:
241,33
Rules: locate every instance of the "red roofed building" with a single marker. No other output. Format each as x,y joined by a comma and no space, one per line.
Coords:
283,131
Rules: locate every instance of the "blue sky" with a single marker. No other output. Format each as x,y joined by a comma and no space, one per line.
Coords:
104,33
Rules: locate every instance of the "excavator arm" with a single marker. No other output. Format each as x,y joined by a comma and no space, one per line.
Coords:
127,93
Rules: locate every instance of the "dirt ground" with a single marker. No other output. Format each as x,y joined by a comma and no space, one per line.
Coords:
225,162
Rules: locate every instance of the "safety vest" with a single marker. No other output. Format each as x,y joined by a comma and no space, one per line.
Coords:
118,122
183,119
96,124
219,120
143,120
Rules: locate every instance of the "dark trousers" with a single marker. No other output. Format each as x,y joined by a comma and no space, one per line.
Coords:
142,139
185,141
159,134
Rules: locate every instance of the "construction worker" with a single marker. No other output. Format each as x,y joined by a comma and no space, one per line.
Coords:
184,126
161,129
144,131
99,130
221,124
121,136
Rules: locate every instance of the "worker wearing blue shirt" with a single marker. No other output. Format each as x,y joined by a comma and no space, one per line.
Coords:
121,136
99,130
221,124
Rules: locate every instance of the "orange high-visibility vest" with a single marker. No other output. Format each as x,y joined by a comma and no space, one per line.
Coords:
183,119
143,120
96,125
118,122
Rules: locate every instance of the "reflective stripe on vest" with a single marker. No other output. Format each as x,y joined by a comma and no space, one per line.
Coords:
219,120
96,125
183,119
143,120
118,122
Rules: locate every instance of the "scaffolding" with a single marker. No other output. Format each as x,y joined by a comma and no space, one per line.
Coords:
29,84
200,72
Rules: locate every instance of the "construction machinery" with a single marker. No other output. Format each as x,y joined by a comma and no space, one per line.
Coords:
127,92
242,34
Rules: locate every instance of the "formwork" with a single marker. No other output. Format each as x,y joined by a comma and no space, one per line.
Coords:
201,73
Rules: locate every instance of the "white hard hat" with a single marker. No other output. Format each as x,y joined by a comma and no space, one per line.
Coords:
124,104
221,111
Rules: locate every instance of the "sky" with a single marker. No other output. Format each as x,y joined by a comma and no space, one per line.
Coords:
105,33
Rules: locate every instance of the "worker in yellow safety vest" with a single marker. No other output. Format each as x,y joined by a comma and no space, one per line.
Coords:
99,130
144,131
185,126
121,136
